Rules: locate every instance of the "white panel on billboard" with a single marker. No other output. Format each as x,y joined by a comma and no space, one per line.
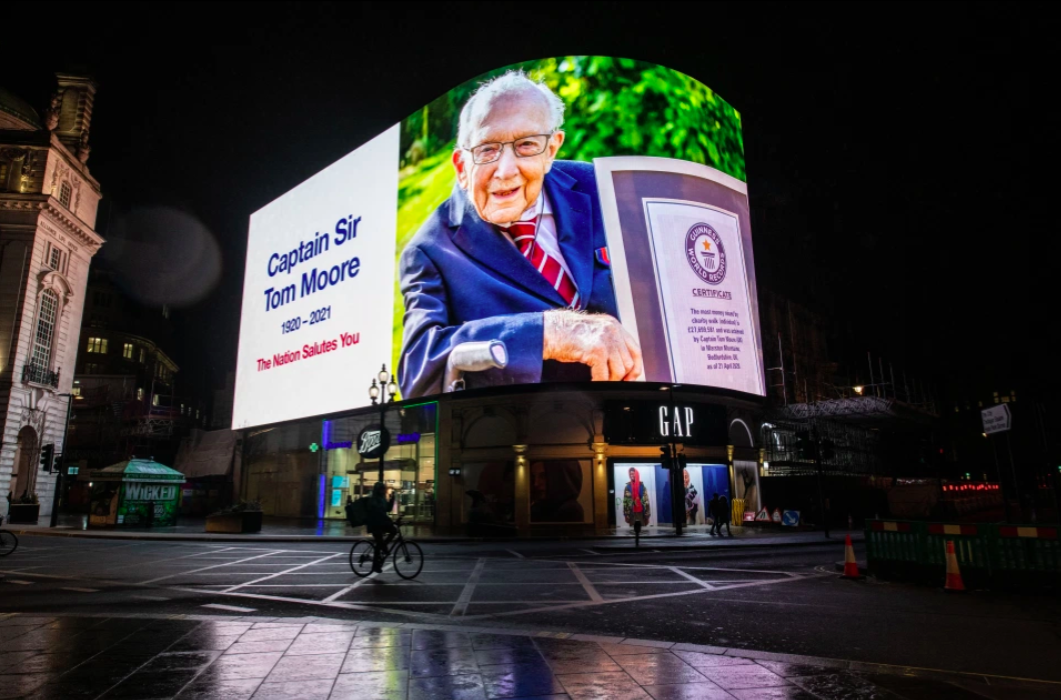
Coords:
317,299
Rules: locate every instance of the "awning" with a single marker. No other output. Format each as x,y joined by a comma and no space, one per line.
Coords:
207,453
134,470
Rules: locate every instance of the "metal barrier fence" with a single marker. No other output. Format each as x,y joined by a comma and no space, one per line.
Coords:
986,552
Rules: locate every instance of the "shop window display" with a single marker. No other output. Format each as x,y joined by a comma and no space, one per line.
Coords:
561,491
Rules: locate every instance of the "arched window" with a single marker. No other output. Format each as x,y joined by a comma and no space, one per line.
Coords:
47,312
65,191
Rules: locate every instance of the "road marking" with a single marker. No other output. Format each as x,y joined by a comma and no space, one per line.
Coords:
206,568
155,598
469,588
630,599
692,578
281,573
515,554
590,590
230,608
19,583
79,590
335,596
170,560
589,551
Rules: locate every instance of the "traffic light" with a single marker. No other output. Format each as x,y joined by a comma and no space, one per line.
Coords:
47,457
57,462
828,449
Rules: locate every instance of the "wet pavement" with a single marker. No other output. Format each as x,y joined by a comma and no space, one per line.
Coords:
779,600
202,657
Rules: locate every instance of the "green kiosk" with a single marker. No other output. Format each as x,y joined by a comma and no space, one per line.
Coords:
135,493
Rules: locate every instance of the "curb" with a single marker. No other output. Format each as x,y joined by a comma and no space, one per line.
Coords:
246,539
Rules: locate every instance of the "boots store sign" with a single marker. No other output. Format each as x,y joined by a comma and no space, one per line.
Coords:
373,443
648,422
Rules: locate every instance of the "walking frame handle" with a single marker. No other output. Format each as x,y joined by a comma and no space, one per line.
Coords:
473,357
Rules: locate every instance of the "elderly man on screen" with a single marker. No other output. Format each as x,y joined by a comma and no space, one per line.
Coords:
517,253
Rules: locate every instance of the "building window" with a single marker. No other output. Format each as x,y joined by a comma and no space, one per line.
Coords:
47,311
101,299
97,345
91,368
55,258
127,351
139,393
76,388
154,400
65,191
143,355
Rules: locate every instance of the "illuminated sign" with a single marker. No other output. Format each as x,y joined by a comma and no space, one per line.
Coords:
650,422
570,219
373,443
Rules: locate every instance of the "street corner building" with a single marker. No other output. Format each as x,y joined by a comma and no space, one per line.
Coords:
48,205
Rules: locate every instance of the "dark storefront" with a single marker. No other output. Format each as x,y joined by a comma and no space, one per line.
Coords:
527,461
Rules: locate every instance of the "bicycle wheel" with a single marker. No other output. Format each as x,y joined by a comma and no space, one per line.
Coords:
8,543
408,559
361,557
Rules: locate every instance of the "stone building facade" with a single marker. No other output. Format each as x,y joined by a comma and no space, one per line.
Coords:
48,204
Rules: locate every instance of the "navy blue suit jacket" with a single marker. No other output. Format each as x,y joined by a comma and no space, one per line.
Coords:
463,280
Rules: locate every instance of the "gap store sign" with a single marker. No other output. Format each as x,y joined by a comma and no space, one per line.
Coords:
657,422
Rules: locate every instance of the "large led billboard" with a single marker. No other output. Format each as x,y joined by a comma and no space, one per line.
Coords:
570,219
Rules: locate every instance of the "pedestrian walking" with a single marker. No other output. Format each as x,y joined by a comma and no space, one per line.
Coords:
723,517
712,510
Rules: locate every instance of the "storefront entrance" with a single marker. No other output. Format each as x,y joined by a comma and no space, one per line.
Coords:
409,466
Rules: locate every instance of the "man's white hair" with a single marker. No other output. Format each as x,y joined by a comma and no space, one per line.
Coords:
512,82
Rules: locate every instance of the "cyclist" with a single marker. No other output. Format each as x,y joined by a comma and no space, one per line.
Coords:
379,524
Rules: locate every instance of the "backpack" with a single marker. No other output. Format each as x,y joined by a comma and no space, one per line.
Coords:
357,512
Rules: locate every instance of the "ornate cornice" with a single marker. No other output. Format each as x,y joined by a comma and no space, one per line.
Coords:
56,212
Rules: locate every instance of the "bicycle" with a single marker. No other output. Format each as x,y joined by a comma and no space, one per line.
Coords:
8,541
408,557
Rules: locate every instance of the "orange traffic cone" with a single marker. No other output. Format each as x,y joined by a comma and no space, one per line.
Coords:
850,565
954,576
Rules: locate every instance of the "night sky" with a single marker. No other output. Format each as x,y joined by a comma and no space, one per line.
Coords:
890,148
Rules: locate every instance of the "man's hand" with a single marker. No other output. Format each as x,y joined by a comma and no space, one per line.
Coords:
597,340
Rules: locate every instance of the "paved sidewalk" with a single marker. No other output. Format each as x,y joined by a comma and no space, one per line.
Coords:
290,530
213,657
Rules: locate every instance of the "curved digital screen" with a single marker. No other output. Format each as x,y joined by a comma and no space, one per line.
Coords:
581,218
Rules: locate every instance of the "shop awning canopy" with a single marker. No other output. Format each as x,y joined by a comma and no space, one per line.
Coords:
207,453
135,470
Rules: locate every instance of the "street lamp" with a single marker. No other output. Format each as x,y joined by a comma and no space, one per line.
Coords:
384,392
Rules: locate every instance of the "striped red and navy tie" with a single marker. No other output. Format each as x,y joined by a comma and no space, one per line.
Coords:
523,235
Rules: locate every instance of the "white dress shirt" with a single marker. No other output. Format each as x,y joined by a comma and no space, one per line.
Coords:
545,235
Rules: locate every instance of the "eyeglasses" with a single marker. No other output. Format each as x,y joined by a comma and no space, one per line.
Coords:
525,147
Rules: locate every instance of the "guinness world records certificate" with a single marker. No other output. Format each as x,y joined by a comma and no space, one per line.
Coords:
679,242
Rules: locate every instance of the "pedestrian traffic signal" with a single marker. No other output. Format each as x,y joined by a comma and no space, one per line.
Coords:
682,461
664,456
47,457
56,462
